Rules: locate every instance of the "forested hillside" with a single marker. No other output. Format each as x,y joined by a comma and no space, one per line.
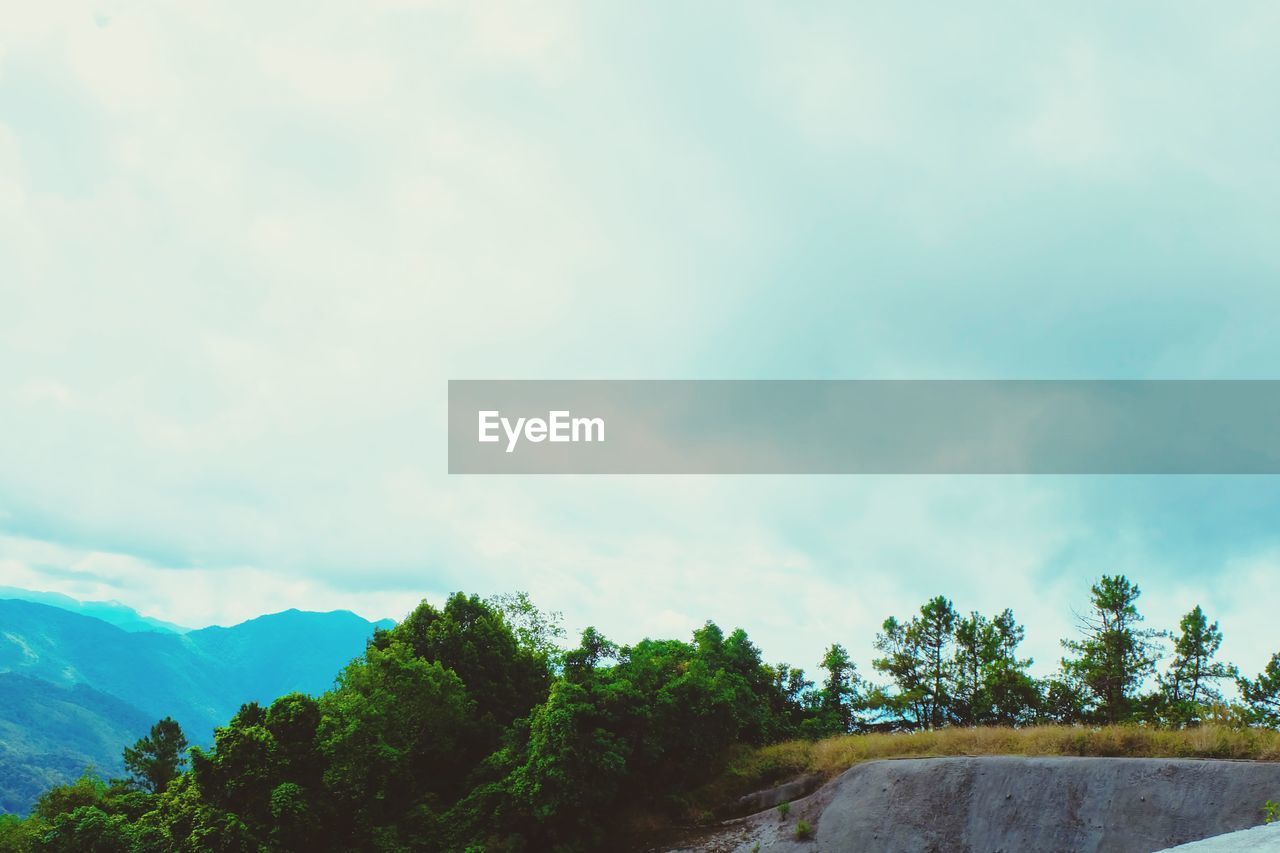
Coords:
50,734
466,727
79,690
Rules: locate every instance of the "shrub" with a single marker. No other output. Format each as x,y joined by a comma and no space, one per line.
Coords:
803,830
784,810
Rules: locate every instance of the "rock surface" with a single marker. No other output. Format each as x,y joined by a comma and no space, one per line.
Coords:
1013,804
785,793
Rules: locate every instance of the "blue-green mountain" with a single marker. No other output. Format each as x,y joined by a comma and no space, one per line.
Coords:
75,689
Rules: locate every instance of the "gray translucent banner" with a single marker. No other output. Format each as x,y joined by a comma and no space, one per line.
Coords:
864,427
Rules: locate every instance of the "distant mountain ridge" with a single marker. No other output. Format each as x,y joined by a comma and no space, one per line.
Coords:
63,673
112,612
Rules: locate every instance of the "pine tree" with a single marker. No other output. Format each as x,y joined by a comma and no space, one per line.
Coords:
1190,681
1261,695
935,627
917,656
991,681
1115,656
157,759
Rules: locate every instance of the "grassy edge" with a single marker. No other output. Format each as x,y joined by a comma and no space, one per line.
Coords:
750,769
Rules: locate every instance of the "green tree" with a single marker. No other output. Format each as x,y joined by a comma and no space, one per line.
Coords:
916,655
902,661
576,763
788,696
643,730
91,828
1114,656
156,759
266,769
88,790
991,681
396,732
1190,682
461,728
472,638
536,631
1261,695
593,650
19,835
188,819
935,625
88,814
1062,700
839,697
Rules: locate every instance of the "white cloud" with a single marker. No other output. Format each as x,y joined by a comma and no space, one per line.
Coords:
190,597
1073,124
225,336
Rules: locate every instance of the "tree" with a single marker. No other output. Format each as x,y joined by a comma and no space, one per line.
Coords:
18,835
593,649
395,731
537,631
1114,656
657,721
991,681
934,627
266,769
575,766
443,735
1261,695
1189,684
901,660
473,638
1062,700
839,696
789,696
156,759
188,821
916,655
90,828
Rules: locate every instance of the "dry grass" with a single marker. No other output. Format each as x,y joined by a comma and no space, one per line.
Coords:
753,768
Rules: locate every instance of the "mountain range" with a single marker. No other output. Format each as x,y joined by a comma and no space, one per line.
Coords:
112,612
75,689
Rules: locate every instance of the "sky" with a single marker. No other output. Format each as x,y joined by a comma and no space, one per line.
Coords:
242,250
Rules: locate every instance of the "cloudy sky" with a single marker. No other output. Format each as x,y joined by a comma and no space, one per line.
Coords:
243,248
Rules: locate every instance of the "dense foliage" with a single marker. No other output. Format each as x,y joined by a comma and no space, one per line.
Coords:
466,727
